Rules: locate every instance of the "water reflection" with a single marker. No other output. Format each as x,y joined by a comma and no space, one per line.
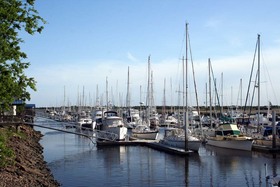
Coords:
75,161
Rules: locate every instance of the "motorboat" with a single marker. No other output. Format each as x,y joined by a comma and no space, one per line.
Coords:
228,136
142,131
113,123
85,121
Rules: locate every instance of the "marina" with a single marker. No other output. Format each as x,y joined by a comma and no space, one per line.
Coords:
114,94
76,161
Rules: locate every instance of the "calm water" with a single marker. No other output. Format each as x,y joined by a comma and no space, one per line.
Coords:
75,161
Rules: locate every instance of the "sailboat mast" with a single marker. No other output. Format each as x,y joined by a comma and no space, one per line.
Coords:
97,102
259,80
210,97
128,91
183,67
64,100
164,102
107,95
187,111
241,94
148,99
222,96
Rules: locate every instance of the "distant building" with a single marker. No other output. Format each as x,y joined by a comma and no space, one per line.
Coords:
29,109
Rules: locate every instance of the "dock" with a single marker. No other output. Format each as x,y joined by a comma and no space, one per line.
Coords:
103,140
267,146
154,144
266,149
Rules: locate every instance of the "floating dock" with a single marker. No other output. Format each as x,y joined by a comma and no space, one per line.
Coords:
155,144
266,146
266,149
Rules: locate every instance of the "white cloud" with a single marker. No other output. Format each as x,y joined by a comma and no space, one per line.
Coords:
131,57
74,77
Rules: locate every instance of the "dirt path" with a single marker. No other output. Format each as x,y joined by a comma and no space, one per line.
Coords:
29,168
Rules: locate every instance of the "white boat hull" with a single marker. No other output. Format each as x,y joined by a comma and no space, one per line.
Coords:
245,145
121,132
192,145
90,126
145,135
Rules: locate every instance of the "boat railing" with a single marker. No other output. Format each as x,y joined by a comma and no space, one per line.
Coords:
105,135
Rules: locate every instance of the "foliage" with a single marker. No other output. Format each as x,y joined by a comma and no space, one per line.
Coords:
16,16
7,155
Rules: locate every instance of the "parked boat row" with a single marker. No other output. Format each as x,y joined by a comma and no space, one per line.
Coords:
189,129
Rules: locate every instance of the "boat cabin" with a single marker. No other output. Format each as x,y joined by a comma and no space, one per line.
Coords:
227,129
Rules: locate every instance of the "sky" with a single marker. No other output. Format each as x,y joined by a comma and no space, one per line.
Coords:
87,43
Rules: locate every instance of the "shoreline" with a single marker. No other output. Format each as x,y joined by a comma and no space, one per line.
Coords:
29,167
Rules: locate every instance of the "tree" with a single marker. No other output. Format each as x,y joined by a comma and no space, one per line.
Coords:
16,16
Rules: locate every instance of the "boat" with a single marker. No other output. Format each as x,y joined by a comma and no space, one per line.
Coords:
175,137
132,118
85,121
168,121
265,136
142,131
113,123
181,137
228,135
97,118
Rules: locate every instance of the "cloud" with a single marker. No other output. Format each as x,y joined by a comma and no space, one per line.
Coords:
52,79
131,57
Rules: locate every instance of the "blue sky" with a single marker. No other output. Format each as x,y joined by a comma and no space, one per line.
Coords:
88,40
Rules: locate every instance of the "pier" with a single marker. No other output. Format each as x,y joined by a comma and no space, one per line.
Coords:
103,138
155,144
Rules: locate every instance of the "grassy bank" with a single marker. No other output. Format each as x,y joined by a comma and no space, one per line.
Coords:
7,155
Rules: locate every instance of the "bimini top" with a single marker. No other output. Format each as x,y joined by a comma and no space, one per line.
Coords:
110,113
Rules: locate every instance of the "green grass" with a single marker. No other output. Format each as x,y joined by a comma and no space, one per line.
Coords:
7,155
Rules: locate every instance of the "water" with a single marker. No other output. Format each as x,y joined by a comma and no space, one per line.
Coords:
75,161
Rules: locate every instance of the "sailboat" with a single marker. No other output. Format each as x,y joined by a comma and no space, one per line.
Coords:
228,135
132,116
179,137
143,129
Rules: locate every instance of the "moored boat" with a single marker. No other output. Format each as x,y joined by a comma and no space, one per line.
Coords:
229,136
144,132
85,121
175,137
113,123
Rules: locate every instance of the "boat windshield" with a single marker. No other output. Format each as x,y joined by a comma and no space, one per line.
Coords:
114,122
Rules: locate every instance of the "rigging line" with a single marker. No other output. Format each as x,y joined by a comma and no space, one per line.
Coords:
194,80
239,92
251,74
269,79
215,87
253,95
182,46
179,75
